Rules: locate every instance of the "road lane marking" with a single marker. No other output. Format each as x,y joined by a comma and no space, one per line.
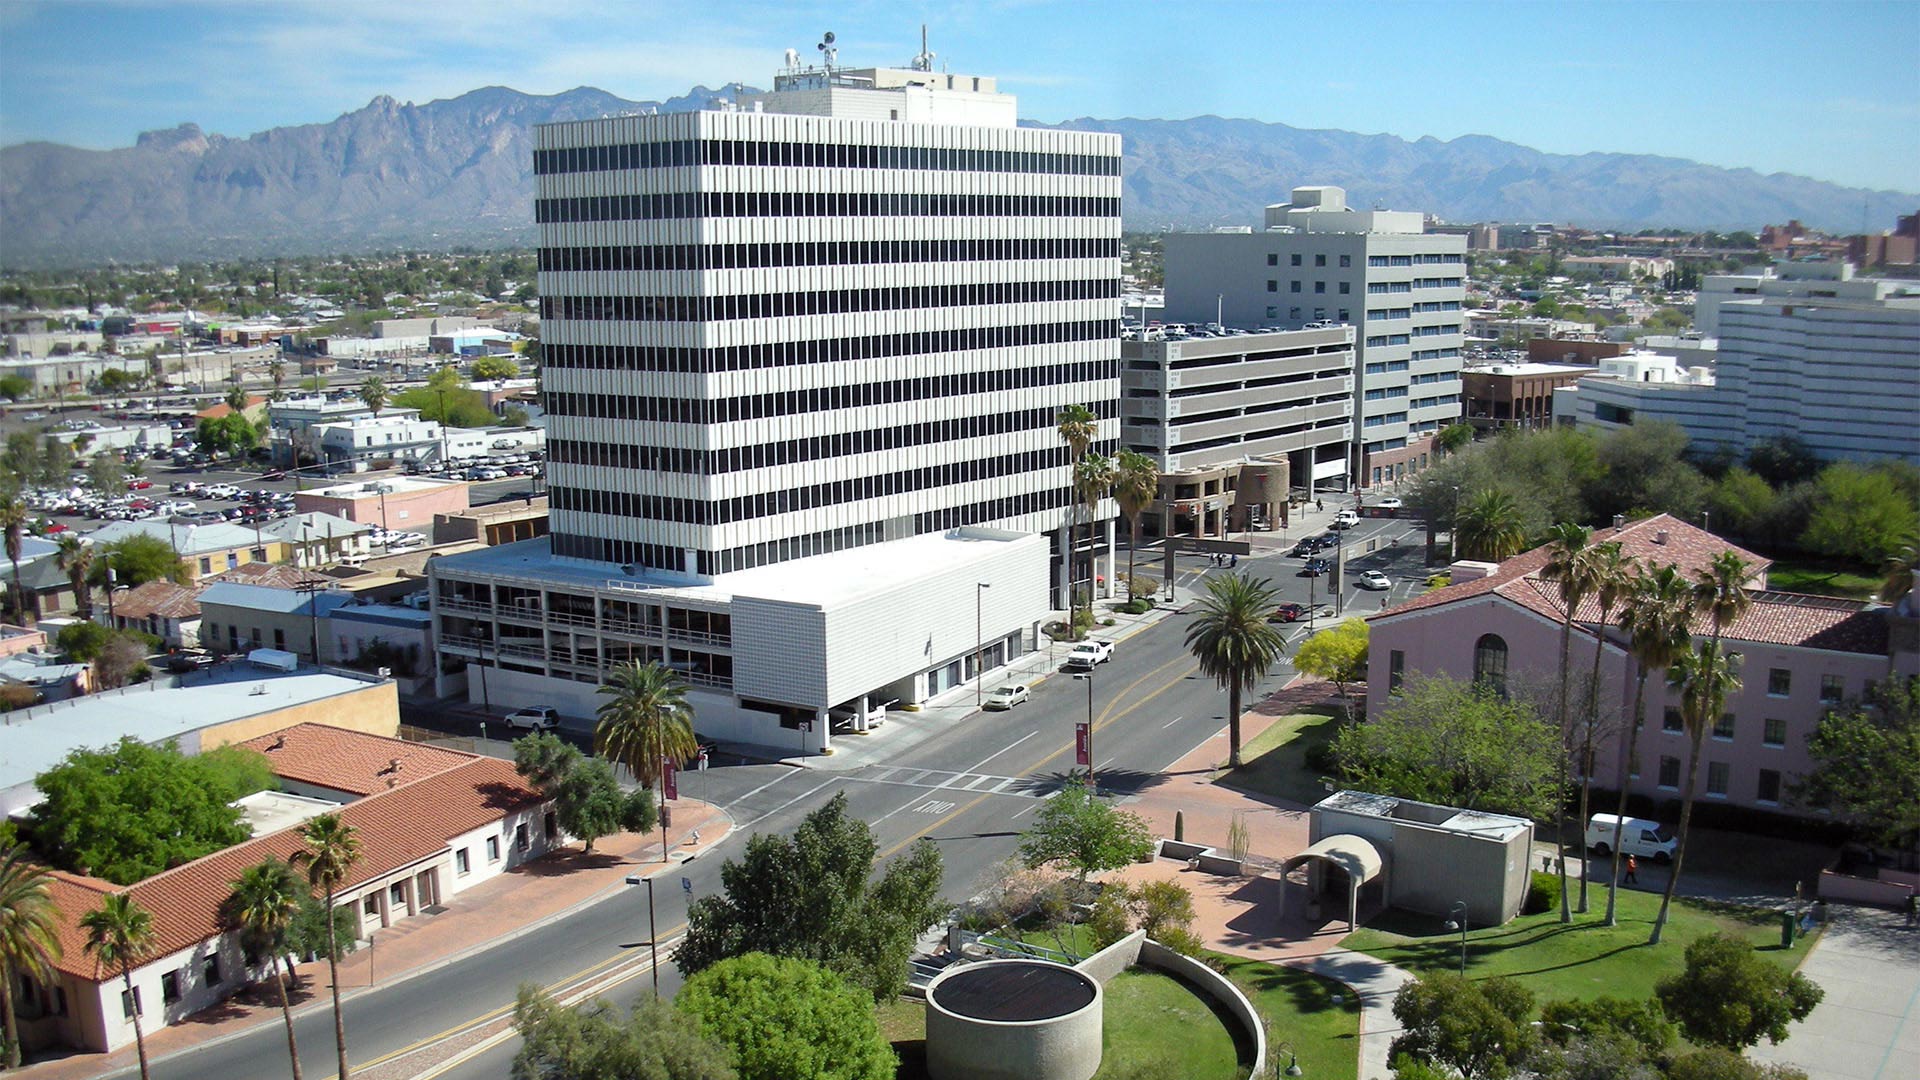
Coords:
982,762
1171,722
933,806
765,786
788,803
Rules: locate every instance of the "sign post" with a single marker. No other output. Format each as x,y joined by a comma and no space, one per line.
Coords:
1083,747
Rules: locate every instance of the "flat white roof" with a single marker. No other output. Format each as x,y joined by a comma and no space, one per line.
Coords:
825,580
270,811
394,485
34,740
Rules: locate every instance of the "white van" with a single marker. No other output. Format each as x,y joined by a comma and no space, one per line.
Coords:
1638,836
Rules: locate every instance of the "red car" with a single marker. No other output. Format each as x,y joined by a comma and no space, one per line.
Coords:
1287,613
54,529
139,484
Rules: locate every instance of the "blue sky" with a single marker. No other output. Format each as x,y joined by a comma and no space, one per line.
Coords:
1827,90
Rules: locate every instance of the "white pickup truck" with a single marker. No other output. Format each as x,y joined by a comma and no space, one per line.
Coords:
1087,654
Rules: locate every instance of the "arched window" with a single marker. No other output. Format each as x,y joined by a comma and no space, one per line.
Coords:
1490,662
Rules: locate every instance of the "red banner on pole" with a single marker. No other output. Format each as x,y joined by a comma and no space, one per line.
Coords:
670,778
1082,744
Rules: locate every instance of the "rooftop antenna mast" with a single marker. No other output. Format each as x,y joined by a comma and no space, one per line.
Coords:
924,61
828,52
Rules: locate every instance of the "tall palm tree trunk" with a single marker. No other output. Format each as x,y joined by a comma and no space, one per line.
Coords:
1591,719
1133,543
1626,782
333,976
1233,725
286,1013
1686,818
19,594
12,1022
660,779
1560,774
139,1032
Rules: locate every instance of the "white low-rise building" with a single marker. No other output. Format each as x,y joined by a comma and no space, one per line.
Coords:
1640,387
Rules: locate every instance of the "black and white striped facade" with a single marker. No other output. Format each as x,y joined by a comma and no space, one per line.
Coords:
770,336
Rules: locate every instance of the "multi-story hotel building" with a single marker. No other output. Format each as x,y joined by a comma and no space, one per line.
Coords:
838,316
1318,261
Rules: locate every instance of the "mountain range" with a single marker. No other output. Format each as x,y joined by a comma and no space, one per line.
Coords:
458,172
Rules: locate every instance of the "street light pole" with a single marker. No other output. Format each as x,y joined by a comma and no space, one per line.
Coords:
1460,925
980,643
653,934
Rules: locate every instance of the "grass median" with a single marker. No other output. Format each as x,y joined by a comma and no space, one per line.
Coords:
1274,762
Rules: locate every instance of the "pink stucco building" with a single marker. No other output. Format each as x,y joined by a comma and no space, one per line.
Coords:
1799,655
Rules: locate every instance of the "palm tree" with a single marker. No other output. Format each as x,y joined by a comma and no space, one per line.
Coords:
1234,643
262,906
1568,564
76,559
277,372
237,398
373,394
13,520
1077,425
1656,619
1607,569
1489,527
1136,483
1720,591
120,935
332,849
1093,477
644,722
29,942
1704,678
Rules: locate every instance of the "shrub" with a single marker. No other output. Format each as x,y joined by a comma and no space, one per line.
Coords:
1543,893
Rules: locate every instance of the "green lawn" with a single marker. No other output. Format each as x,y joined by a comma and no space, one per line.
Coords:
1156,1025
1824,579
1299,1009
1582,959
1274,762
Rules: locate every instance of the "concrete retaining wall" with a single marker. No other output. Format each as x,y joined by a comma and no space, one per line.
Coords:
1114,959
1216,986
1847,889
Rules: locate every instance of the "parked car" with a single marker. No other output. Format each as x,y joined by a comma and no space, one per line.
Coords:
405,540
534,718
1006,697
182,662
1390,504
1345,519
1638,836
1375,580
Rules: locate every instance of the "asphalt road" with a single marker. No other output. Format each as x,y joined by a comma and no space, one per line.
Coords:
1150,706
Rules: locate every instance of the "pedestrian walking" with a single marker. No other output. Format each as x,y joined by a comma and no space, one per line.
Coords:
1236,560
1913,909
1320,504
1633,870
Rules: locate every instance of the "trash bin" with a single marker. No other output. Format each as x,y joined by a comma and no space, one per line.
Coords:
1786,929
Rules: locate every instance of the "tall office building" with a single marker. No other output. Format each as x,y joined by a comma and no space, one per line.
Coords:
802,357
848,311
1318,261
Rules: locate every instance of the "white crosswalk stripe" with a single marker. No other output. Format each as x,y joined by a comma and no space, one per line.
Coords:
1025,787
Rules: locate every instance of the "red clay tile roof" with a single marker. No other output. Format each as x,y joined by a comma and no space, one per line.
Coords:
397,827
351,761
1775,618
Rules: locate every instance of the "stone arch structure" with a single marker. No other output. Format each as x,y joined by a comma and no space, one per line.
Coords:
1354,856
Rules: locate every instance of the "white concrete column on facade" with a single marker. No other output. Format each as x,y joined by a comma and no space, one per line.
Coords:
1110,546
1063,579
821,738
860,721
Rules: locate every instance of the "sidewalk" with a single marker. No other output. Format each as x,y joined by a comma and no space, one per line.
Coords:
1868,962
528,896
1240,915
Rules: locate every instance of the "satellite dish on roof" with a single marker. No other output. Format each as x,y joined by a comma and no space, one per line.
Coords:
828,52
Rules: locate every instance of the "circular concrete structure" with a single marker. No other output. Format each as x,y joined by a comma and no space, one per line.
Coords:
1013,1020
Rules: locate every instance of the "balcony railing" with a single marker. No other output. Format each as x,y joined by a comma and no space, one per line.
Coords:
700,637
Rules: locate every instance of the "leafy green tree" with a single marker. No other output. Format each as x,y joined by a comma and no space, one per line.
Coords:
489,368
106,474
1077,831
82,642
1741,503
787,1019
332,847
308,934
120,935
1453,438
138,559
1730,997
587,798
232,434
1866,765
1641,1021
1164,909
167,808
262,906
1136,483
594,1042
644,723
29,935
1860,516
1233,642
1713,1063
1643,470
15,387
1783,460
1479,1029
1490,528
1454,743
1337,654
811,896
